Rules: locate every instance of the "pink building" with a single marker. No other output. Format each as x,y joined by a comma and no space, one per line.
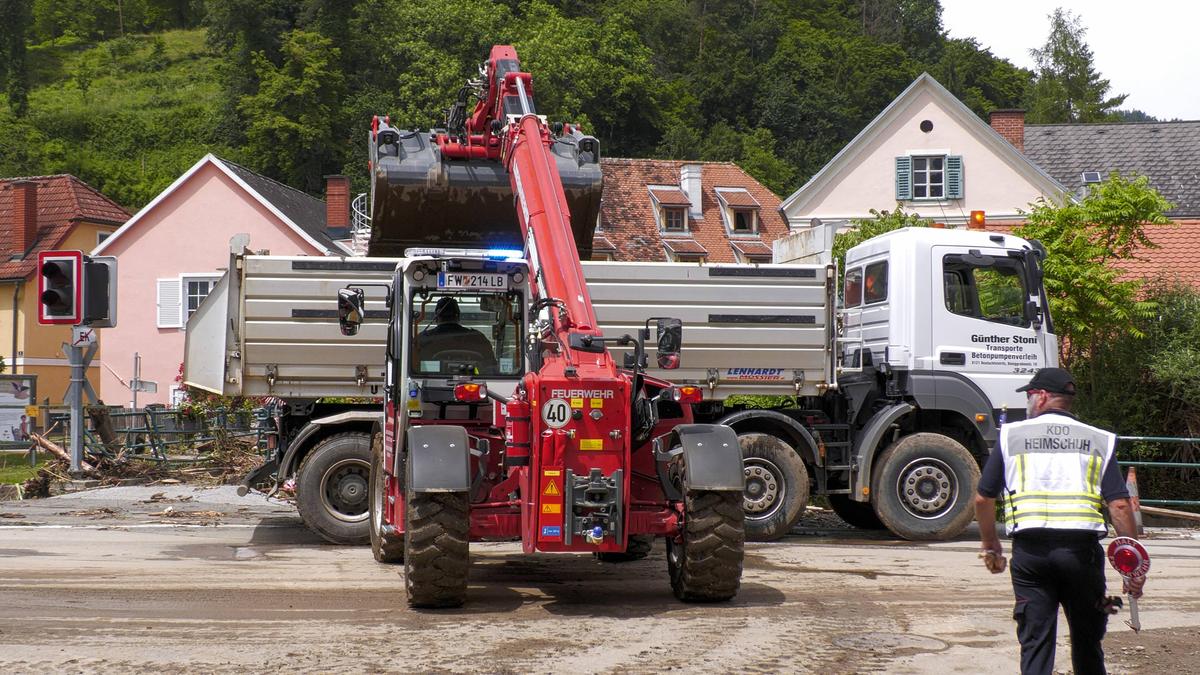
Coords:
171,253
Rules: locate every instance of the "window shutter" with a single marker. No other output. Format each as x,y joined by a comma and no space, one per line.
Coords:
169,303
954,177
903,178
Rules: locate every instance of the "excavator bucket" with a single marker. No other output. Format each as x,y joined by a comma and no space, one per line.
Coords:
421,198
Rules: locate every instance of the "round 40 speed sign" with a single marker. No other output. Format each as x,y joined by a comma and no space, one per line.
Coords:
556,413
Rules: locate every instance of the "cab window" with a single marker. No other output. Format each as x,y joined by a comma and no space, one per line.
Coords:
985,287
466,333
853,288
875,283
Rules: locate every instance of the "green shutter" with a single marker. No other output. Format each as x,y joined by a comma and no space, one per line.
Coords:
903,178
954,177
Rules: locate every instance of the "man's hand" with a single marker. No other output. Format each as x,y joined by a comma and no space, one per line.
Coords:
993,556
1133,586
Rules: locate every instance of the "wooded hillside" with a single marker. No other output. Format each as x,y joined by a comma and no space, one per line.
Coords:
127,94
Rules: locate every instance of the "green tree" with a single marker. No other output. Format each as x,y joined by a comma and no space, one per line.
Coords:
14,75
291,128
1090,298
1066,87
866,228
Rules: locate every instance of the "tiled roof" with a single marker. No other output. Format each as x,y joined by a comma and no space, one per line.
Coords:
754,248
738,198
1166,152
306,211
627,209
671,197
601,244
685,246
62,200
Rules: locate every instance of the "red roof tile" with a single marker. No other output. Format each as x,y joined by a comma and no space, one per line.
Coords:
601,244
627,209
62,201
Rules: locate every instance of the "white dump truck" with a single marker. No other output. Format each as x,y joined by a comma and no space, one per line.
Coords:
890,379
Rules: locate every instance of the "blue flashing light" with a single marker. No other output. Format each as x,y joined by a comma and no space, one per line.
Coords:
505,254
598,532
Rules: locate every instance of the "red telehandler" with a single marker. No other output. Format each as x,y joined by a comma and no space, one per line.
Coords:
505,413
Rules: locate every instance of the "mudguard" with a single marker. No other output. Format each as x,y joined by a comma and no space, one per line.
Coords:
793,432
712,456
439,459
866,442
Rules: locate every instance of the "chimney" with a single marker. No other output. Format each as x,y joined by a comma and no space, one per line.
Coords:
689,181
1011,125
337,202
24,216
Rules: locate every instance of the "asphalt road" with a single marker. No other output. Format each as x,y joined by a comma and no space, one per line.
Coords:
110,581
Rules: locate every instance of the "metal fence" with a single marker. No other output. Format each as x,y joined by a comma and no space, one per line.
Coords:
1184,466
158,433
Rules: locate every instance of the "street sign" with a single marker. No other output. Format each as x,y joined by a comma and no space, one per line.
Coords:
146,386
82,336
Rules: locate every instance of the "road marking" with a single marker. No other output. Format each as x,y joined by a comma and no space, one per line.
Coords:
147,526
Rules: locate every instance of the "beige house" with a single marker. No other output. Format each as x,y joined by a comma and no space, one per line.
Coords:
927,152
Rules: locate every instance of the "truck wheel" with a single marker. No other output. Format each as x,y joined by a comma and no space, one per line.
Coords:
705,565
856,514
923,486
387,548
640,546
436,549
776,490
331,488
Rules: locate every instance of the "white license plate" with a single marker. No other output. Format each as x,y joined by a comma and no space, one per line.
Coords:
492,282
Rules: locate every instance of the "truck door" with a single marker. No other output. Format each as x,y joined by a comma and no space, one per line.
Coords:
979,325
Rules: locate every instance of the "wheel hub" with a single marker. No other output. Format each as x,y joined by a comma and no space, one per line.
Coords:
927,488
764,488
344,492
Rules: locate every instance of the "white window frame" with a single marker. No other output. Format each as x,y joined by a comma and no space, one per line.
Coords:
666,218
927,184
102,235
212,280
177,311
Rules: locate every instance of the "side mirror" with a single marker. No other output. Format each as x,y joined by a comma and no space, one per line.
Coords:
350,310
670,342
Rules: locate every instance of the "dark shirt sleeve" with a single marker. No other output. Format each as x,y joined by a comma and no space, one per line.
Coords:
991,481
1112,485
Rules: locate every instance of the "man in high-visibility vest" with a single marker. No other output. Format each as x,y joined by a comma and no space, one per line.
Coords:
1054,473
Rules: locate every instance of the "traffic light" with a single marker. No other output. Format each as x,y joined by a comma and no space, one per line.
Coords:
59,287
75,289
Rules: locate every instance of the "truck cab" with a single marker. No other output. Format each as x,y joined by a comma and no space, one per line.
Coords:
961,313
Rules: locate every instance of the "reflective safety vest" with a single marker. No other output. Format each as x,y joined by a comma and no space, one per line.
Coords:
1052,470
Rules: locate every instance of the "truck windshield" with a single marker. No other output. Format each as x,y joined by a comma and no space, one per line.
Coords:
984,287
466,333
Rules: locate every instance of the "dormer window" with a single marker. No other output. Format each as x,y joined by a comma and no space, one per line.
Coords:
670,208
739,210
674,219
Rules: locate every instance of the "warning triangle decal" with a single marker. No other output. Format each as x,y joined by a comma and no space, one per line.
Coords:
551,489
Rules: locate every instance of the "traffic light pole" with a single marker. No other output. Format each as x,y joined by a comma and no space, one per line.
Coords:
79,358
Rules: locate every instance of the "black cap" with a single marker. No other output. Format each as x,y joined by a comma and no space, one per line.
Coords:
446,309
1053,380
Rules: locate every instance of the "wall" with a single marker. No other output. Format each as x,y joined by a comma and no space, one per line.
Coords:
188,231
991,182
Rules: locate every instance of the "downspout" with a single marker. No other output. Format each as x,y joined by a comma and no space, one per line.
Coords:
15,333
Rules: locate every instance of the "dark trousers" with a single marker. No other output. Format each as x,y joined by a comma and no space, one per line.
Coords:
1064,568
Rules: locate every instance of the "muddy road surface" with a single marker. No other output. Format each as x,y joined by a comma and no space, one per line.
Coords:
179,579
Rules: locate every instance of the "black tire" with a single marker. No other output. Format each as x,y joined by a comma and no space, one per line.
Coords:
923,487
777,486
706,564
640,546
331,488
436,548
387,548
856,514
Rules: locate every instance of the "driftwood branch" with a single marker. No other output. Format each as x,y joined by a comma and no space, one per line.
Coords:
56,450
